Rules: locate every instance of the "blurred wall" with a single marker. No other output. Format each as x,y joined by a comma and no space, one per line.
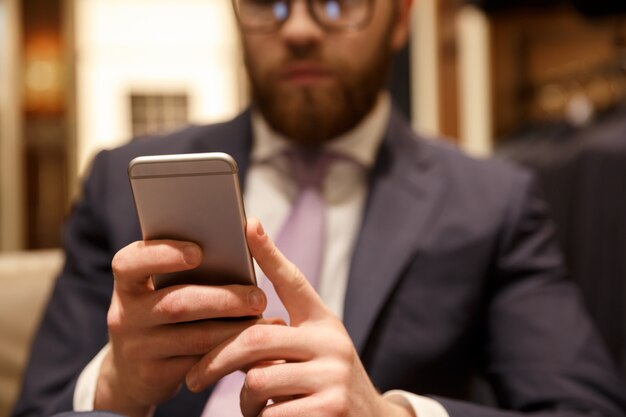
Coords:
11,180
152,48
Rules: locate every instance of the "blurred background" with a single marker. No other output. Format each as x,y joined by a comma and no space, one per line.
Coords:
77,76
539,82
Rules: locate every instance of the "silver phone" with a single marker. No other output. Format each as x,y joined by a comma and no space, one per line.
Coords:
196,198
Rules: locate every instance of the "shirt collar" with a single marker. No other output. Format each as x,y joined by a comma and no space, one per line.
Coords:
360,144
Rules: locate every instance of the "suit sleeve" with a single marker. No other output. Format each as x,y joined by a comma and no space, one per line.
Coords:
73,328
542,355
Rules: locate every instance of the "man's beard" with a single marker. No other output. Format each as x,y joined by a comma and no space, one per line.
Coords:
313,115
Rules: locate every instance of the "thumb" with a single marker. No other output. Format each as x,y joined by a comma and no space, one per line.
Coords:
294,290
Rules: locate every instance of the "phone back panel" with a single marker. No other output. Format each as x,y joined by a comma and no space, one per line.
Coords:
195,198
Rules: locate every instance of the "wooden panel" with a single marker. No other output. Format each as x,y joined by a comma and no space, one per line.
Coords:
45,131
534,49
448,68
11,146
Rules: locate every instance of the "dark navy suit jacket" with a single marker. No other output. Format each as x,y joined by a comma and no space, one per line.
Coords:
455,273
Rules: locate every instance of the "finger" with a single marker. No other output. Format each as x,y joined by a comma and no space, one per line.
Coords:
310,406
262,363
187,303
133,265
298,296
188,339
275,320
255,344
278,382
160,379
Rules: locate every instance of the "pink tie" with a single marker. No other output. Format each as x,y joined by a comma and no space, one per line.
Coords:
301,239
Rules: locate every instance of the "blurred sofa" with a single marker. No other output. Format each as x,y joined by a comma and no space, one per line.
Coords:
25,282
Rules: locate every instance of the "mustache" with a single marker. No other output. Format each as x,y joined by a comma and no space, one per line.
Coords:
304,51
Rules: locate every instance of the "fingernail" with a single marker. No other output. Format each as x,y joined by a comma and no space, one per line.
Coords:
259,229
256,300
192,381
276,321
191,254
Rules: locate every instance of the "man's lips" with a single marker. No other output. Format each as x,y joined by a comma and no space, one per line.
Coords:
305,73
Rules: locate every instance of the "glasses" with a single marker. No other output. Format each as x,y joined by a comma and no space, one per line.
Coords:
332,15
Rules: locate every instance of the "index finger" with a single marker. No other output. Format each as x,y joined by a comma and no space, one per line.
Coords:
298,296
134,264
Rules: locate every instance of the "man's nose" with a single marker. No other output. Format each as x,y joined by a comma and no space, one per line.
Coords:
301,27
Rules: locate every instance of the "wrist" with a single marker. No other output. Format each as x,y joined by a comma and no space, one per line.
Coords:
111,395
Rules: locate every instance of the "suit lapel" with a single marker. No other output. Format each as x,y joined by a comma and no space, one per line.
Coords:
404,190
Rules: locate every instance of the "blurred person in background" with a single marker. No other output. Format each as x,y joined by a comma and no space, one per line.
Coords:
435,267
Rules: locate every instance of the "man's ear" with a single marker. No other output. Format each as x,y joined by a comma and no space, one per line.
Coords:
402,26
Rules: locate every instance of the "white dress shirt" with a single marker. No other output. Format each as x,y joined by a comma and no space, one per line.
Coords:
268,195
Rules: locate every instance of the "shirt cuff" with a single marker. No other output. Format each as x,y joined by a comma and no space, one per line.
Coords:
421,406
85,391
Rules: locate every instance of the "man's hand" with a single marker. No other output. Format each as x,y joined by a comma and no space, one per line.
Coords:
310,368
156,337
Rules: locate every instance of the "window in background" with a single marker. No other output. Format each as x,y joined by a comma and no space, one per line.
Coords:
158,113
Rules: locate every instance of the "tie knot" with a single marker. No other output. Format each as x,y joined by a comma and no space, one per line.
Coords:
309,167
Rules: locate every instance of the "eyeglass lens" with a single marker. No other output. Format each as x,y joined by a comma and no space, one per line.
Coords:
266,14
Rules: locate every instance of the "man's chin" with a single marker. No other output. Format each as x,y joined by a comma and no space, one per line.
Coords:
310,116
310,123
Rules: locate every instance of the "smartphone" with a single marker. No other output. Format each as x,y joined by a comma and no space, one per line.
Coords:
196,198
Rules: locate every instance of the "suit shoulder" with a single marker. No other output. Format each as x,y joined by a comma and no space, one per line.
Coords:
455,165
479,188
187,139
191,139
467,169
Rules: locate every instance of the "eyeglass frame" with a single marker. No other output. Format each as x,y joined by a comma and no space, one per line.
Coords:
309,3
